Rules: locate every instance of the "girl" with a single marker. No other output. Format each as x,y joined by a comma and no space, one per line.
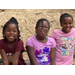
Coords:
65,40
11,47
41,48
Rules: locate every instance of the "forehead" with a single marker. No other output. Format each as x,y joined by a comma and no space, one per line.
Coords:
67,19
11,26
44,22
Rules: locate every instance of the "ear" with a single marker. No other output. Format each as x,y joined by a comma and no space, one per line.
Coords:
60,24
36,31
4,33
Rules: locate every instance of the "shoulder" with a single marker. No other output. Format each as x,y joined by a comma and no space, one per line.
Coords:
73,29
2,41
31,38
56,31
30,41
19,41
51,39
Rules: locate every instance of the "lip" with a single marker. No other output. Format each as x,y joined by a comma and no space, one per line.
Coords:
11,36
68,28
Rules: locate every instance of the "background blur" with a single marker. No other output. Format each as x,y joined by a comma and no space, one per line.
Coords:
27,19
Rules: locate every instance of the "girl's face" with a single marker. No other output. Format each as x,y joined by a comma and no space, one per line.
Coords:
11,32
67,24
42,30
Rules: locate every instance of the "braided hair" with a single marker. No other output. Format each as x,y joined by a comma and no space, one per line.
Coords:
11,21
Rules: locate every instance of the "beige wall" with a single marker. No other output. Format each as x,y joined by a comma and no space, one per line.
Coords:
27,19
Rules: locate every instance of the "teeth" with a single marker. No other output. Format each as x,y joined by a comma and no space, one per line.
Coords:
42,31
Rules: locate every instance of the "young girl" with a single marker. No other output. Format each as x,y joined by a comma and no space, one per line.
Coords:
65,40
41,48
11,47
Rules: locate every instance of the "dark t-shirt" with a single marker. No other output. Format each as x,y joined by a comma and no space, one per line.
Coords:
18,46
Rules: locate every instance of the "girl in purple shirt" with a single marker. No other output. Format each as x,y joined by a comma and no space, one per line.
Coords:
41,48
11,47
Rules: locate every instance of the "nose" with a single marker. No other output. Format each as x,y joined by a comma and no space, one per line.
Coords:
11,32
68,25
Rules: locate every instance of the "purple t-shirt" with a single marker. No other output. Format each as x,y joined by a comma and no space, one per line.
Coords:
18,46
42,50
65,44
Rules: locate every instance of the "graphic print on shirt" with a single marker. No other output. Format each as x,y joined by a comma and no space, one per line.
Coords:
67,46
10,57
43,56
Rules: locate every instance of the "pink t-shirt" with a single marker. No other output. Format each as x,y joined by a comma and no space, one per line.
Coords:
42,50
65,43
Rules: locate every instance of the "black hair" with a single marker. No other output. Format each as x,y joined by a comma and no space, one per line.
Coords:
11,21
65,15
41,20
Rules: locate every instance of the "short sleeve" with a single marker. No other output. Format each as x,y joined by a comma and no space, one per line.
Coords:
29,42
53,43
19,46
1,45
53,35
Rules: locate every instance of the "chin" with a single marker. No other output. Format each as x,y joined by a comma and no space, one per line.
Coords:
11,40
67,31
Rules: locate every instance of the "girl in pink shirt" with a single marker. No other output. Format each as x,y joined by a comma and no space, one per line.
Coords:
11,47
65,40
40,47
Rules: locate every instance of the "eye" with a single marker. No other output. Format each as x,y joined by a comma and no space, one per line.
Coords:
65,23
14,30
40,26
70,23
45,27
8,30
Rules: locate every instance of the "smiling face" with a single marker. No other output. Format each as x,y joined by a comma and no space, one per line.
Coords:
42,28
66,24
11,32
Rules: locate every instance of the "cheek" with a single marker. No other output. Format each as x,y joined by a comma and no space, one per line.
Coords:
17,34
47,32
72,26
6,33
37,30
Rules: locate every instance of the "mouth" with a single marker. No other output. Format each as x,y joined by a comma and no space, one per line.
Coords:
68,28
11,37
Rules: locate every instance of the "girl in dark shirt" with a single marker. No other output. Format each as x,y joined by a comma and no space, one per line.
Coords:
11,47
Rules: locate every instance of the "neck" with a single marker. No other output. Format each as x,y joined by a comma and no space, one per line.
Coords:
11,42
41,38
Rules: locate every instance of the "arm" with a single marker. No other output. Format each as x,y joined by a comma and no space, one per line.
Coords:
16,58
4,57
52,56
31,55
18,49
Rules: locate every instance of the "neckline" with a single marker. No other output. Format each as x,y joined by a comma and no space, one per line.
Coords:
11,49
42,42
